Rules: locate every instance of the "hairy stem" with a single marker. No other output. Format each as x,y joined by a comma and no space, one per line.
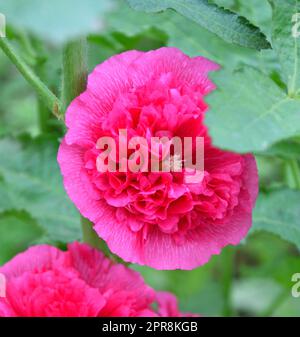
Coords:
74,70
73,84
227,261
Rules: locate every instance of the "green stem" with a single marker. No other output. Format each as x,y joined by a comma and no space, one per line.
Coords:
49,99
292,172
74,70
73,84
227,277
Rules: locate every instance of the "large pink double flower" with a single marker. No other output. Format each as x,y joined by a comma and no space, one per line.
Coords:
155,218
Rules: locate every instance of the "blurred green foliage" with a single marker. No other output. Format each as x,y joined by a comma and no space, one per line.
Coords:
33,206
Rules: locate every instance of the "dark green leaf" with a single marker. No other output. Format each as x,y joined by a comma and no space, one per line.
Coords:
31,181
17,231
279,213
249,112
258,12
189,37
286,41
227,25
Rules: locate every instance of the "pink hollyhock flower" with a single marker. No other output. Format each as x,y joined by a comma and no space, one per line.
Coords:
45,281
156,219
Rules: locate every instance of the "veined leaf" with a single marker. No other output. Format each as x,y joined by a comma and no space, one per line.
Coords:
189,37
278,212
17,231
227,25
258,12
249,112
286,41
31,181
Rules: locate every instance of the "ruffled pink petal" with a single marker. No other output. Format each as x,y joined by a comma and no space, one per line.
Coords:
37,259
118,74
124,289
70,159
160,251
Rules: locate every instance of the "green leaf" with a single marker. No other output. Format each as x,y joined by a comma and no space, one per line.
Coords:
56,20
227,25
286,41
287,149
17,231
258,12
31,181
189,37
249,112
278,212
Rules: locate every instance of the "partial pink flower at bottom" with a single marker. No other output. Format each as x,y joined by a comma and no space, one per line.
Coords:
47,282
168,306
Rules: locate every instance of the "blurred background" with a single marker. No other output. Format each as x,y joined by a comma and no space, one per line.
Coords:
253,279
